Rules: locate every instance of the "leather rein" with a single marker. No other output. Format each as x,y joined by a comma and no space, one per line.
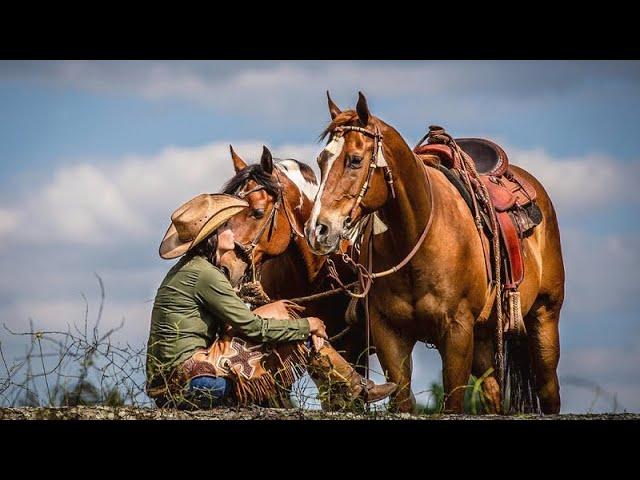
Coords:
377,161
365,276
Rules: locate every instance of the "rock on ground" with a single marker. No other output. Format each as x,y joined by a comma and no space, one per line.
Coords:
257,413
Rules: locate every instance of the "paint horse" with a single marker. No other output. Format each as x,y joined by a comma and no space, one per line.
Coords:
439,294
271,242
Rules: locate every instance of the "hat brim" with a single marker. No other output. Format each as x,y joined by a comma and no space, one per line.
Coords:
171,246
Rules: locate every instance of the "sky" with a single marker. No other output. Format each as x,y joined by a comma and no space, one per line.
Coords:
95,155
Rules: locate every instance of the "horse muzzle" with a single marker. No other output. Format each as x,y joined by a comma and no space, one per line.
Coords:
324,237
237,265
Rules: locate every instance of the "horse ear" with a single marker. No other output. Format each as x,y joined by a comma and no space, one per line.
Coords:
238,163
267,160
334,111
362,109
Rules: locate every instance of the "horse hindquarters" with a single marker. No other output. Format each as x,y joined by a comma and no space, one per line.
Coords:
544,349
543,317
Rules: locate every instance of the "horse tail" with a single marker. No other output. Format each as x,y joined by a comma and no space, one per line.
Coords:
520,383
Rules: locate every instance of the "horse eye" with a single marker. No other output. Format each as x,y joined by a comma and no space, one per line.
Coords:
354,161
257,213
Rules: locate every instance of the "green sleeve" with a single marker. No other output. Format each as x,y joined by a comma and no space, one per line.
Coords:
214,291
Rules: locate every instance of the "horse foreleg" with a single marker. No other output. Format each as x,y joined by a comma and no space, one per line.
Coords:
456,350
483,360
542,324
394,352
355,349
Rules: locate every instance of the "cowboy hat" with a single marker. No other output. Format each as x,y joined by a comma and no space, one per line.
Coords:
196,219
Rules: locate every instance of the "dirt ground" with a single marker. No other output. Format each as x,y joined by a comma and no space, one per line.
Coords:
256,413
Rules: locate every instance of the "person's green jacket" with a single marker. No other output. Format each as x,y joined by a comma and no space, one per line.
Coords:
193,302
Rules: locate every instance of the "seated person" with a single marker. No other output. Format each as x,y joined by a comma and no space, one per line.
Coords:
196,302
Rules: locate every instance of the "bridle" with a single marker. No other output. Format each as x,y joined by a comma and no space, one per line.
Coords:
377,160
247,250
365,274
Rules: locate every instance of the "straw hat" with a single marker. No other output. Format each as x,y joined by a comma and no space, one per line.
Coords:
196,219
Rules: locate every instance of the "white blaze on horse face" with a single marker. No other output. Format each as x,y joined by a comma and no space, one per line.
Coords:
326,159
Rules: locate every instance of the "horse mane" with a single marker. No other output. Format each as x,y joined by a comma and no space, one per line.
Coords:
341,119
305,170
253,172
256,173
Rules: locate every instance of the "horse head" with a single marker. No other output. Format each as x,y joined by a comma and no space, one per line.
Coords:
353,172
276,209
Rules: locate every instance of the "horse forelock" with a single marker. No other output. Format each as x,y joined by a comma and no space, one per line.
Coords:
253,172
341,119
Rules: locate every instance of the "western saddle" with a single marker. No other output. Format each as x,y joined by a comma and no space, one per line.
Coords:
511,200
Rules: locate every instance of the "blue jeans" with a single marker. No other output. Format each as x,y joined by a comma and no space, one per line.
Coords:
207,391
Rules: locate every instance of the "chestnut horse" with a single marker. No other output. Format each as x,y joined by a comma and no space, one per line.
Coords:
278,249
438,295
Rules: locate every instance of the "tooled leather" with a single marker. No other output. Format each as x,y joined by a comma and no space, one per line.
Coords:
513,248
506,193
194,368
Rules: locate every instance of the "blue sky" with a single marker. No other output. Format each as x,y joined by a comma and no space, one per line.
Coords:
94,156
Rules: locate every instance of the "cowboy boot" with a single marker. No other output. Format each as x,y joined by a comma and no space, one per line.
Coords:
339,384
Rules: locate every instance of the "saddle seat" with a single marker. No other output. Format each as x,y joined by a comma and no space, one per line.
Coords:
509,191
489,158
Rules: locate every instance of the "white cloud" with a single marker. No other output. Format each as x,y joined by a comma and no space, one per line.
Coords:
91,204
278,88
601,271
98,204
579,184
59,315
8,221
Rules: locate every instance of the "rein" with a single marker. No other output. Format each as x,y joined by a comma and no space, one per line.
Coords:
365,277
247,250
377,160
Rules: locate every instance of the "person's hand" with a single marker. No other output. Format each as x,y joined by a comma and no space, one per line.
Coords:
318,342
316,327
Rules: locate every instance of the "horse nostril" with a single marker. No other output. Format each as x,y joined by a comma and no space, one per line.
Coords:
322,230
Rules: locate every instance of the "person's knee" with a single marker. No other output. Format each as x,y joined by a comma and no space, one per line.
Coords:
217,387
207,391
